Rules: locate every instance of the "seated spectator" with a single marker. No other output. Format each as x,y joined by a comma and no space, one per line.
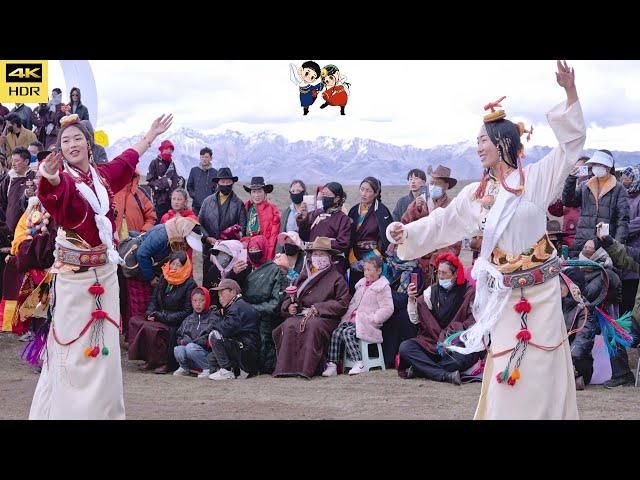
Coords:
15,135
288,220
594,283
445,308
581,342
34,148
224,256
312,314
235,338
25,113
600,199
370,219
328,220
179,201
179,233
263,288
369,308
416,178
292,258
263,217
192,337
154,336
627,258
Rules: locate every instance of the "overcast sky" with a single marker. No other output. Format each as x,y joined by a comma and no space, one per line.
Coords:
420,103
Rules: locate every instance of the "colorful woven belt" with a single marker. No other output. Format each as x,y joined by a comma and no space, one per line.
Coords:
95,257
534,276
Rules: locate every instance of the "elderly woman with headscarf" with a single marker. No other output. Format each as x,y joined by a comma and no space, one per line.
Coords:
312,312
262,288
631,182
329,221
224,256
292,259
154,335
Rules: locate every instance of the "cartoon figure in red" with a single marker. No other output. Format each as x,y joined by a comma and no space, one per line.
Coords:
335,94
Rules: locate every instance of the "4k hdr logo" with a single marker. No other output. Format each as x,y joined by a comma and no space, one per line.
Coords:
24,81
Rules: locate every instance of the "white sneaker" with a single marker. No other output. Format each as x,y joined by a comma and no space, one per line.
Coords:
204,374
357,368
331,370
242,375
222,374
181,372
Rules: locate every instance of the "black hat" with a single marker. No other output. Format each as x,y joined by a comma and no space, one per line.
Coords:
43,154
224,173
256,184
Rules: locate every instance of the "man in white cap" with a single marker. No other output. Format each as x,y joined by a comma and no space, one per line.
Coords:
602,199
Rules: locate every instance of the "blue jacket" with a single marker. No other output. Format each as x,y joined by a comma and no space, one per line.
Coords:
154,248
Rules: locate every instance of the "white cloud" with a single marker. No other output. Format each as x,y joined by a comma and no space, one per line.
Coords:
423,103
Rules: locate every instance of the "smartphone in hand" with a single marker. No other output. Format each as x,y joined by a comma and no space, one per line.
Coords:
414,279
242,256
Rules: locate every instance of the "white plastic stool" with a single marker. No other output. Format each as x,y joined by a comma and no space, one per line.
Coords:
368,362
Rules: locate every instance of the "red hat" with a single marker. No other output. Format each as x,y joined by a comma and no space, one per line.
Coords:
166,144
205,294
453,260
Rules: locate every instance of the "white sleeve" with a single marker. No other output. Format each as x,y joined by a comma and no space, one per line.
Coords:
442,227
412,310
546,177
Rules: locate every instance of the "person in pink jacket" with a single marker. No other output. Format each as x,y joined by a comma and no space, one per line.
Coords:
369,308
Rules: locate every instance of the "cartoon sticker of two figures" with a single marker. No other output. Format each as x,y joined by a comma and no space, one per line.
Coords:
311,80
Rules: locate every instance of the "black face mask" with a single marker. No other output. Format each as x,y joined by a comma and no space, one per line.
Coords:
225,189
290,249
255,257
10,129
297,198
327,202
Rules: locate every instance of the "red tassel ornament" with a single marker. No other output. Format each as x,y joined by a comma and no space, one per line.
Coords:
96,289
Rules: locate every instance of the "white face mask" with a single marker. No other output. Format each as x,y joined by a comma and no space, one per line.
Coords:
319,204
435,191
447,284
600,171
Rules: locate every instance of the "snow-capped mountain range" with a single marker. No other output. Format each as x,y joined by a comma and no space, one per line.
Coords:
324,159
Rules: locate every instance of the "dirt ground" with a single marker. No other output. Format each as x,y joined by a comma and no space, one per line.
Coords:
373,396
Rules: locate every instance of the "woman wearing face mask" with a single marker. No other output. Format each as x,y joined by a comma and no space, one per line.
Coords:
311,314
328,221
154,336
291,260
444,309
262,283
288,223
369,221
224,256
440,182
600,199
630,179
517,298
46,118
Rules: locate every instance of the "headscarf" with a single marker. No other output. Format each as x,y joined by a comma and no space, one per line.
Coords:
205,293
231,248
634,174
260,242
179,276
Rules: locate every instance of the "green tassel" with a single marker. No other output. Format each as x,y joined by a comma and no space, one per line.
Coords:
625,321
505,374
451,337
105,351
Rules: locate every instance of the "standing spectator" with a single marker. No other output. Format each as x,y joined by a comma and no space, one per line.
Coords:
163,178
570,215
4,111
370,219
192,346
235,338
98,152
24,112
415,178
179,200
263,217
75,102
200,183
601,199
134,209
13,187
15,135
219,212
288,220
440,182
631,182
46,118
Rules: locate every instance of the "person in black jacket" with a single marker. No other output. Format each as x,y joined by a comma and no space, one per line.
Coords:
193,335
200,183
218,212
370,219
235,338
75,102
601,199
152,338
163,178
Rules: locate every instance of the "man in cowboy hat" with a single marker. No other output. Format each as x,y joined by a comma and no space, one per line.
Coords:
219,211
200,183
440,182
263,217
